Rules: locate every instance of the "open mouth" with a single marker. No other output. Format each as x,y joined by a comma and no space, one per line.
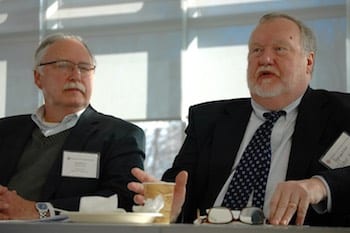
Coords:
73,89
266,74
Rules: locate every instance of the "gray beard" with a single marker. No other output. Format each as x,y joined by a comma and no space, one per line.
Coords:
262,92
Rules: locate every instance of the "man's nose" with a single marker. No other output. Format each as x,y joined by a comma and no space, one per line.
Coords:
75,72
76,68
266,58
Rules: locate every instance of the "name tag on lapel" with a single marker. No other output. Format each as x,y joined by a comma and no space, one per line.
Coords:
338,155
80,164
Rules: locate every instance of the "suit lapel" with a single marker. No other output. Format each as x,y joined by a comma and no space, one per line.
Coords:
86,126
306,136
227,138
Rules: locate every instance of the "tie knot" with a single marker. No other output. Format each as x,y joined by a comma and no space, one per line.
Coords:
273,116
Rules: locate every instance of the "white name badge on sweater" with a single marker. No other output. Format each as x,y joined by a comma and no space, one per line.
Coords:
338,155
80,164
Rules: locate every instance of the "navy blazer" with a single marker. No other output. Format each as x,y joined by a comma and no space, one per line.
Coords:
120,145
214,135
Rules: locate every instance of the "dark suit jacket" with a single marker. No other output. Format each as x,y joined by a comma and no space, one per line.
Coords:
119,143
214,135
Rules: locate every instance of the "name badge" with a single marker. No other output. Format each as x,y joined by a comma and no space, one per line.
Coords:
338,155
80,164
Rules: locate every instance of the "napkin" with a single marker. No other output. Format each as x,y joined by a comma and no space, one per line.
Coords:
150,205
98,204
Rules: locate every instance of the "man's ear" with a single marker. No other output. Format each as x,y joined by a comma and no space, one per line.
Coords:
310,62
37,79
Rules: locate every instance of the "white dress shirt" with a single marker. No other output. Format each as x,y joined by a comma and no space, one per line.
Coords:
48,128
281,140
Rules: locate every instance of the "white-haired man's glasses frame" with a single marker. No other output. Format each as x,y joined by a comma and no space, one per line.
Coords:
67,67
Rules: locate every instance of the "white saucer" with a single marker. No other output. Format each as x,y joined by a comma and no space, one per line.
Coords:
116,217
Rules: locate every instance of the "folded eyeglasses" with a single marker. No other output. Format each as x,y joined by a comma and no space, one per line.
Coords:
222,215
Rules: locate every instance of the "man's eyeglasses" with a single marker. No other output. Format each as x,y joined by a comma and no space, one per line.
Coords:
222,215
67,67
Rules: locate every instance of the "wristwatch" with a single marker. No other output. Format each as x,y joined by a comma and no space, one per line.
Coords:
43,209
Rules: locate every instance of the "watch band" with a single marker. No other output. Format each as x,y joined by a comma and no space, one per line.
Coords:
43,209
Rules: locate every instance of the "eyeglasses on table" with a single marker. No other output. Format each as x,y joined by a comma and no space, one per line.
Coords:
223,215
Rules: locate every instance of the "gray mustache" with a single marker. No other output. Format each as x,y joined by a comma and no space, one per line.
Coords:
263,69
75,85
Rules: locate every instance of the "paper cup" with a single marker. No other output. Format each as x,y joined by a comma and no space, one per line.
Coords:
166,189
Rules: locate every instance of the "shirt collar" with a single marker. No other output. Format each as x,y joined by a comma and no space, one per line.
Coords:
260,110
49,128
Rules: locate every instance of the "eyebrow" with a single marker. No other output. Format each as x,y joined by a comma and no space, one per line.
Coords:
278,42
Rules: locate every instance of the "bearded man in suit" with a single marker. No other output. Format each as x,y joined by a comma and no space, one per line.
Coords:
300,189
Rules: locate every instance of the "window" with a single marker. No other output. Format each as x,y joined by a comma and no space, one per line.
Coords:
155,58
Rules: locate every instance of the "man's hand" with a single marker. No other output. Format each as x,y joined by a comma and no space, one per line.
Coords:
179,192
137,187
292,197
12,206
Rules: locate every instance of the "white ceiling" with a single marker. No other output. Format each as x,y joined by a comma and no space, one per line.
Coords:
23,16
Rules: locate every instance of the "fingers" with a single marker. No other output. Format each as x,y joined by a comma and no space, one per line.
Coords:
13,206
294,197
282,209
289,209
141,175
302,210
291,197
3,205
4,216
274,204
179,194
3,199
181,179
137,187
139,190
139,199
180,186
3,189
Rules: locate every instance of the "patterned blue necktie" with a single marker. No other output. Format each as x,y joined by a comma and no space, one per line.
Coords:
253,168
